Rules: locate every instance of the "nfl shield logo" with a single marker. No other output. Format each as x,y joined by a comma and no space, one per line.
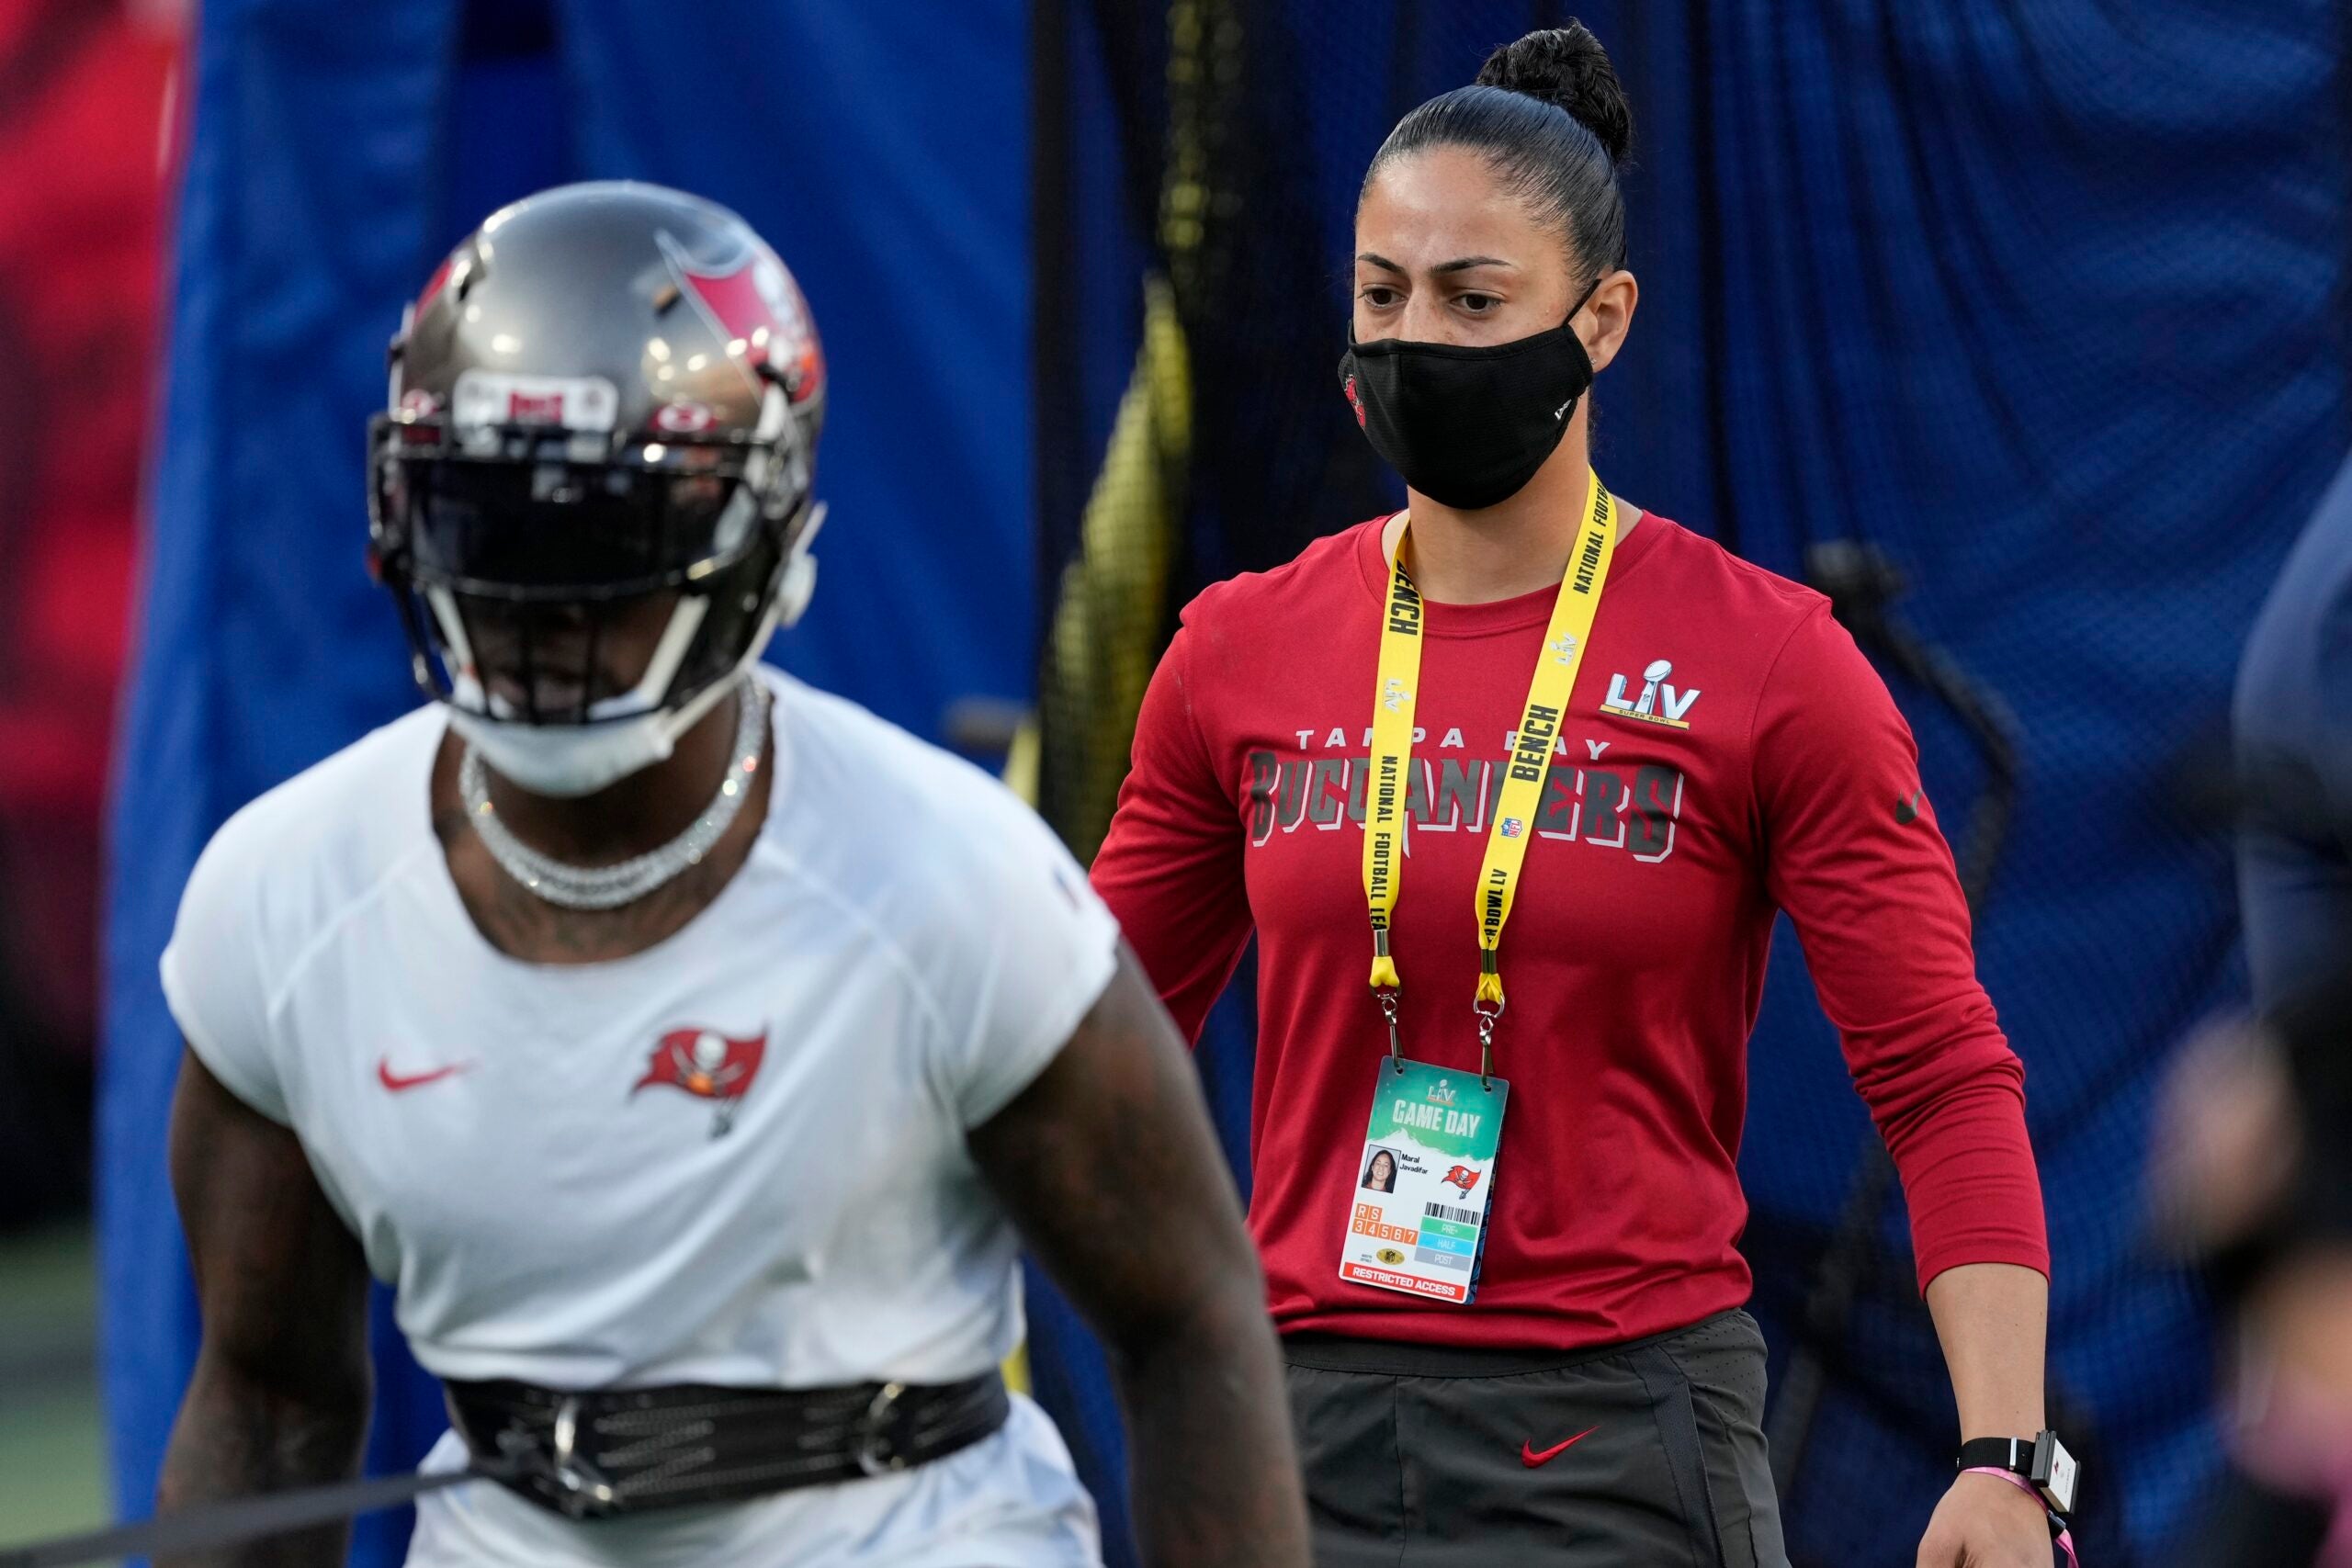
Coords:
1513,826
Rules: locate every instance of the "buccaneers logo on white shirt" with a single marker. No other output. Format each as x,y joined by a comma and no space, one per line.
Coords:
708,1066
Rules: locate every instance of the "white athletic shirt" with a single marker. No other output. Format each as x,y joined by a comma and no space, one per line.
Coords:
738,1157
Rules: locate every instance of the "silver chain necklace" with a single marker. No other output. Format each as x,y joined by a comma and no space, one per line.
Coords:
610,887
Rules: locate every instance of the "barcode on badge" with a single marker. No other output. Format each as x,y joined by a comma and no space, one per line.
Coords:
1443,1211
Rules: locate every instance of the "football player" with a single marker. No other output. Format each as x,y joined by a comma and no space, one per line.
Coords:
691,1050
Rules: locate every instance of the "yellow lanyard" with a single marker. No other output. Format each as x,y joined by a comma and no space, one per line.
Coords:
1539,724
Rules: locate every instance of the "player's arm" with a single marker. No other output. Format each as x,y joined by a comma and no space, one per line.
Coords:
1108,1164
282,1384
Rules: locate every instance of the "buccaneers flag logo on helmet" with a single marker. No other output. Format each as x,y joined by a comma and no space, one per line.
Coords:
756,307
1462,1176
708,1066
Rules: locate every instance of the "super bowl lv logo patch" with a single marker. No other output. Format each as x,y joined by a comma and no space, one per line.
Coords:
708,1066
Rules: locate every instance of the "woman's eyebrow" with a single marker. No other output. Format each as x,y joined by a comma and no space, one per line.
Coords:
1460,263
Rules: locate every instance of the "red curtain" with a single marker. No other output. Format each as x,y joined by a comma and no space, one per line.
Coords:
84,90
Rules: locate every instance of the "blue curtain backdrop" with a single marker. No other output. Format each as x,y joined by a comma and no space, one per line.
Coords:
338,150
2044,300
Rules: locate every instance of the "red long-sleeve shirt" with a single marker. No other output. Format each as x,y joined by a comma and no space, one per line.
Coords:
1634,957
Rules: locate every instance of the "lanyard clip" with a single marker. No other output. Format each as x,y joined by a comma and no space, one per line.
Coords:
1387,1000
1489,1013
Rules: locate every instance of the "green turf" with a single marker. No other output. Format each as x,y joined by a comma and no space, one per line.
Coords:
53,1464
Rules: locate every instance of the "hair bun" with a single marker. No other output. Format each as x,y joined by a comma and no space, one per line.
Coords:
1568,67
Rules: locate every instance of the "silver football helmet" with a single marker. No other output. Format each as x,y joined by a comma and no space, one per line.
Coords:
608,396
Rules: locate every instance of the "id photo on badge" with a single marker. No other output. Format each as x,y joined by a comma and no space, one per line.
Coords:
1380,1172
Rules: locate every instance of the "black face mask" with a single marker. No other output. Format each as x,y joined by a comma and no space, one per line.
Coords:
1468,426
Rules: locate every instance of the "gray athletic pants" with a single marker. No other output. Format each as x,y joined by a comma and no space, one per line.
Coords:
1648,1454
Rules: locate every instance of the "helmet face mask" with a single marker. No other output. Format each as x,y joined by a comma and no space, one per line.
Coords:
539,662
590,497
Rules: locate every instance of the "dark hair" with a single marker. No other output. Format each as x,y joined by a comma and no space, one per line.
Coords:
1551,117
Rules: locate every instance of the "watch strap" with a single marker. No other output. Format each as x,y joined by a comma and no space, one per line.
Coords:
2012,1454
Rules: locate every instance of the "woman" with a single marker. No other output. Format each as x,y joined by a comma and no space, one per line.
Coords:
1570,896
1380,1175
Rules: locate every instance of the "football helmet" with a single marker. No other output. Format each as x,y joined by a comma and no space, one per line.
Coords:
607,397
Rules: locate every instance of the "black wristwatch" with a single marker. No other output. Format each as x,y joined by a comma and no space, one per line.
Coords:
2043,1462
